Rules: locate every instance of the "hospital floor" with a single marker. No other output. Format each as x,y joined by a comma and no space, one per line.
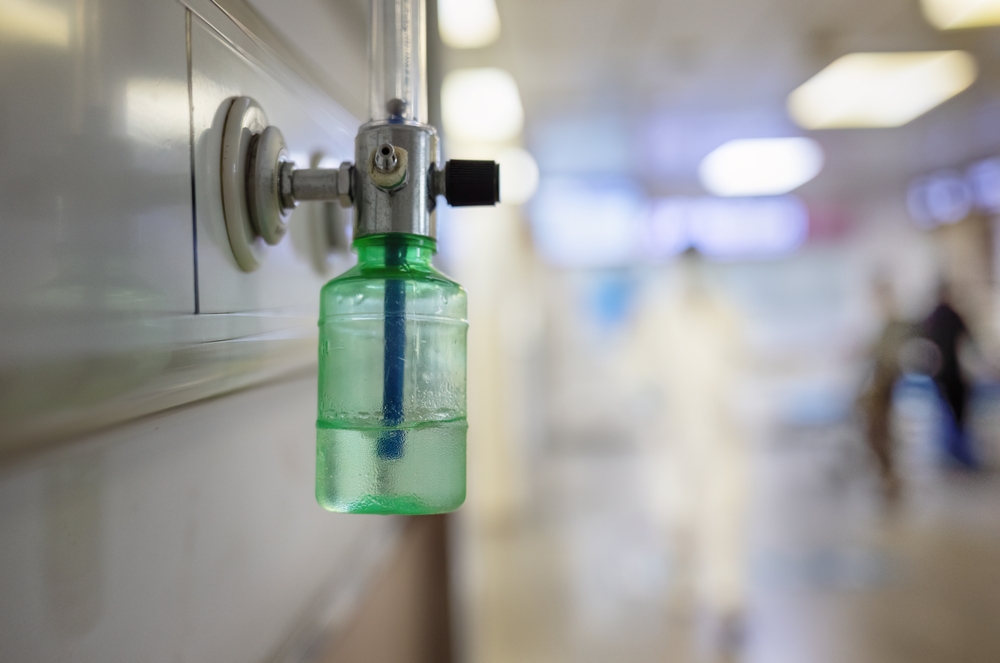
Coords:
587,574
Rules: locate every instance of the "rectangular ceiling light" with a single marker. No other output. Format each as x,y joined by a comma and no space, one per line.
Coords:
953,14
880,89
760,166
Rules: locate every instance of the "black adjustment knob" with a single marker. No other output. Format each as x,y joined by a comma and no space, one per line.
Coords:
468,183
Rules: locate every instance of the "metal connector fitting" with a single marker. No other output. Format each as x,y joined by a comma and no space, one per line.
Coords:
345,184
392,174
323,184
385,158
285,185
438,183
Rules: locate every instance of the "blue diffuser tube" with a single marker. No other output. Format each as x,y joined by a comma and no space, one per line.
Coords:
390,442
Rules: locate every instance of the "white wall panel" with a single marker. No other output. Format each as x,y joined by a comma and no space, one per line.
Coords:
95,191
191,536
105,313
95,197
225,67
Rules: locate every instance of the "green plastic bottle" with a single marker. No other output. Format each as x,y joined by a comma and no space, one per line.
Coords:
391,426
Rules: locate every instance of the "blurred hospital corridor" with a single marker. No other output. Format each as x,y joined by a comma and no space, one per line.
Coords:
832,577
744,520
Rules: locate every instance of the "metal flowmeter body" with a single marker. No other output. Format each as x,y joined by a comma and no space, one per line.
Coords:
400,198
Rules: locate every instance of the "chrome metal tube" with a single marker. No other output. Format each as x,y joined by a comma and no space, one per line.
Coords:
315,184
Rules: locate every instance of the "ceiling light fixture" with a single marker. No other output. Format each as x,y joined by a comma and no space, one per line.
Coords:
953,14
760,166
23,20
468,23
481,105
520,175
880,89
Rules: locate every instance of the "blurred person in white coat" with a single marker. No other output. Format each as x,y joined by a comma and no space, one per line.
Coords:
687,349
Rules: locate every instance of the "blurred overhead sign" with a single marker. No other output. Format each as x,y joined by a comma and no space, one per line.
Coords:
581,223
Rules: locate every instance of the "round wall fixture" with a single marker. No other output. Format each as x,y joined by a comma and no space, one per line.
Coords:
244,123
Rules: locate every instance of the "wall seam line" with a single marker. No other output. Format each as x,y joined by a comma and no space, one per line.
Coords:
194,200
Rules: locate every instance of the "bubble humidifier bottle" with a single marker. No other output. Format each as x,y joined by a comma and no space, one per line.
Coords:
392,440
391,422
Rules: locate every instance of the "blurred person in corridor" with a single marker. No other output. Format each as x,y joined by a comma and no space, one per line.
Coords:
688,346
875,400
947,330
